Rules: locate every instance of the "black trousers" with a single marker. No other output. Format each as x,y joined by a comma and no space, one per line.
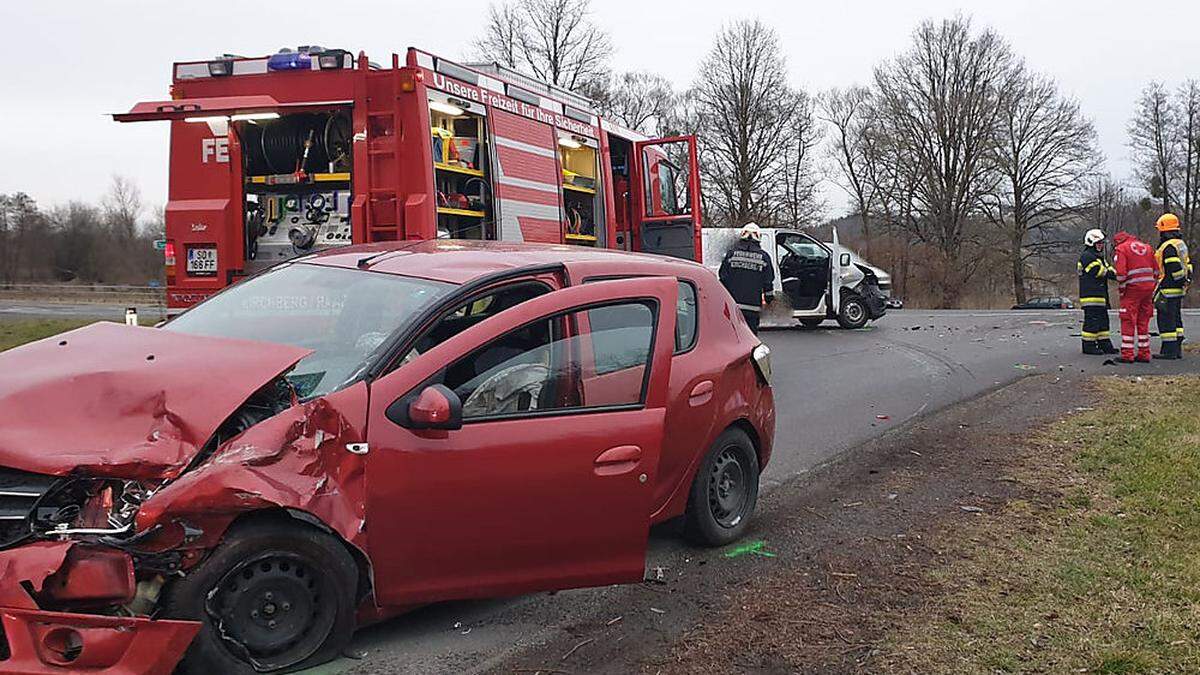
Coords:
1170,323
1095,323
752,319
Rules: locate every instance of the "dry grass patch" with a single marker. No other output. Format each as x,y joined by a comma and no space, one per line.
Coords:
1102,576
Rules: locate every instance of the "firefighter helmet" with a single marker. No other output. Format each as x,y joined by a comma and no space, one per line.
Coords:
751,231
1093,237
1167,222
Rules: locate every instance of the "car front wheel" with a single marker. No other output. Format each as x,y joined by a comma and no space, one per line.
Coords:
724,491
853,313
273,597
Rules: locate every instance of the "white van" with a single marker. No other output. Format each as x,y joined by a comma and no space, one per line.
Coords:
806,273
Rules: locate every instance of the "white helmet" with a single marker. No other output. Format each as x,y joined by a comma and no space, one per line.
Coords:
751,231
1093,237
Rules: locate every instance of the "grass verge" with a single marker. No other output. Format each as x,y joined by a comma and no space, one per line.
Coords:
1102,576
17,332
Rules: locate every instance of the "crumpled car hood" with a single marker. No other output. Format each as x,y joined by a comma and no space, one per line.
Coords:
128,402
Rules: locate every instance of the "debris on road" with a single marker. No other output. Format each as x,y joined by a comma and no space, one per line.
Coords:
577,647
971,509
883,417
658,611
615,620
1024,366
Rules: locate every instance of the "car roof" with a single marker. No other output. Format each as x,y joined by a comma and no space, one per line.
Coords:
458,261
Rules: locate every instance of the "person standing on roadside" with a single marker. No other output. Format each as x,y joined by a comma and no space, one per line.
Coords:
1173,268
747,274
1134,262
1094,273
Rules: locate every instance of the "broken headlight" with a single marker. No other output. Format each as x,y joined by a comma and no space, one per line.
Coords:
91,506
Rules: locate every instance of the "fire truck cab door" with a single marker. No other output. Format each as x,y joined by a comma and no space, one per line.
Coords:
666,192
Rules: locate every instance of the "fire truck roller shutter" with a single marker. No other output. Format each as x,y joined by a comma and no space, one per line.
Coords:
527,189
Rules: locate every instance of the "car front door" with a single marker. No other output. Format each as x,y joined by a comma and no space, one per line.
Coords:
547,484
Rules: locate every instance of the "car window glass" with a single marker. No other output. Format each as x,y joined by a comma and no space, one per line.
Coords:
475,311
540,367
799,251
687,317
620,336
344,316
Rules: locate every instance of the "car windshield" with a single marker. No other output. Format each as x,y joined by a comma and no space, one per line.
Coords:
343,315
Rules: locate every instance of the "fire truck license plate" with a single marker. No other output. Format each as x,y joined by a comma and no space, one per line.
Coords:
202,261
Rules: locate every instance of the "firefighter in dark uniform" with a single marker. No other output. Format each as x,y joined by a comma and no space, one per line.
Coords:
747,274
1094,273
1174,272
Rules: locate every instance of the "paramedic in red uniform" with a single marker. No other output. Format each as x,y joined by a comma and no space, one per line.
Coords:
747,274
1134,260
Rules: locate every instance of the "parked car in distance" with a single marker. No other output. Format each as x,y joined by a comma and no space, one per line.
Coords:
361,431
894,303
1046,303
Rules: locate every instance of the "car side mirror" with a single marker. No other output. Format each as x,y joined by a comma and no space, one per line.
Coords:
844,261
434,407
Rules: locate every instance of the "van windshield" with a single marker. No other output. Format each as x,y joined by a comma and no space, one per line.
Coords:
345,316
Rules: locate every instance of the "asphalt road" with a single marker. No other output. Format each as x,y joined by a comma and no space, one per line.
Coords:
835,389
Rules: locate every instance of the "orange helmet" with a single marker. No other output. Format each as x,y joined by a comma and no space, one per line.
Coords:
1167,222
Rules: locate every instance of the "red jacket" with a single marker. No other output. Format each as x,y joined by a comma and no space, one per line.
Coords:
1134,260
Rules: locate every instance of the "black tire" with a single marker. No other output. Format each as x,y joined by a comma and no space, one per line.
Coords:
715,516
811,324
265,575
853,313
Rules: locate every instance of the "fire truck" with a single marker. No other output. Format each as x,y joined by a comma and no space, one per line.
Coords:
279,156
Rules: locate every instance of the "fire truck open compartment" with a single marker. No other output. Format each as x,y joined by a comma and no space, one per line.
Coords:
296,172
461,162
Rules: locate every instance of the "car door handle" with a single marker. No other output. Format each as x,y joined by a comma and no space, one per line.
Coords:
618,460
701,393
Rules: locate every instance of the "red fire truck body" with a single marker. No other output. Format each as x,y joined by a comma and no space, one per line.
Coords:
276,157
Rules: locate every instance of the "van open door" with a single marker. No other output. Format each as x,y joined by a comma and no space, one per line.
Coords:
839,261
667,196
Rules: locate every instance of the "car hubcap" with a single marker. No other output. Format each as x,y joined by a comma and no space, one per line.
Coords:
727,488
854,312
270,611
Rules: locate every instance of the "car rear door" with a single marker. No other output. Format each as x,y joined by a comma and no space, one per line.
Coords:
555,494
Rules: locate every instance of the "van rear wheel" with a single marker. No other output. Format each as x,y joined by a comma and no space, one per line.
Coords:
724,491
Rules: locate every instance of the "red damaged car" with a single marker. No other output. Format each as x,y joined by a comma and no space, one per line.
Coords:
359,432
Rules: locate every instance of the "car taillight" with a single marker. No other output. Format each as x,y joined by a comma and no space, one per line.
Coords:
762,362
169,258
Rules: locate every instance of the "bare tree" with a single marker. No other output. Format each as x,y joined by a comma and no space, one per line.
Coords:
845,111
502,35
552,40
638,100
801,201
1150,139
1188,139
1046,156
936,113
746,115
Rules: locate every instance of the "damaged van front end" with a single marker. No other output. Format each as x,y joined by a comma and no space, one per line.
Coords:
122,465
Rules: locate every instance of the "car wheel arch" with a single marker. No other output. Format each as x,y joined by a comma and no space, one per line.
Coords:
743,424
290,516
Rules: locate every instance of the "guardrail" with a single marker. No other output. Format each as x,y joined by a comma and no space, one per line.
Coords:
86,292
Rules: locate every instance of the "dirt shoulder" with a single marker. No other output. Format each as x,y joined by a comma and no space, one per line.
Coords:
847,556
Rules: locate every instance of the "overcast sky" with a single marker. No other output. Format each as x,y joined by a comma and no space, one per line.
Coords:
73,61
